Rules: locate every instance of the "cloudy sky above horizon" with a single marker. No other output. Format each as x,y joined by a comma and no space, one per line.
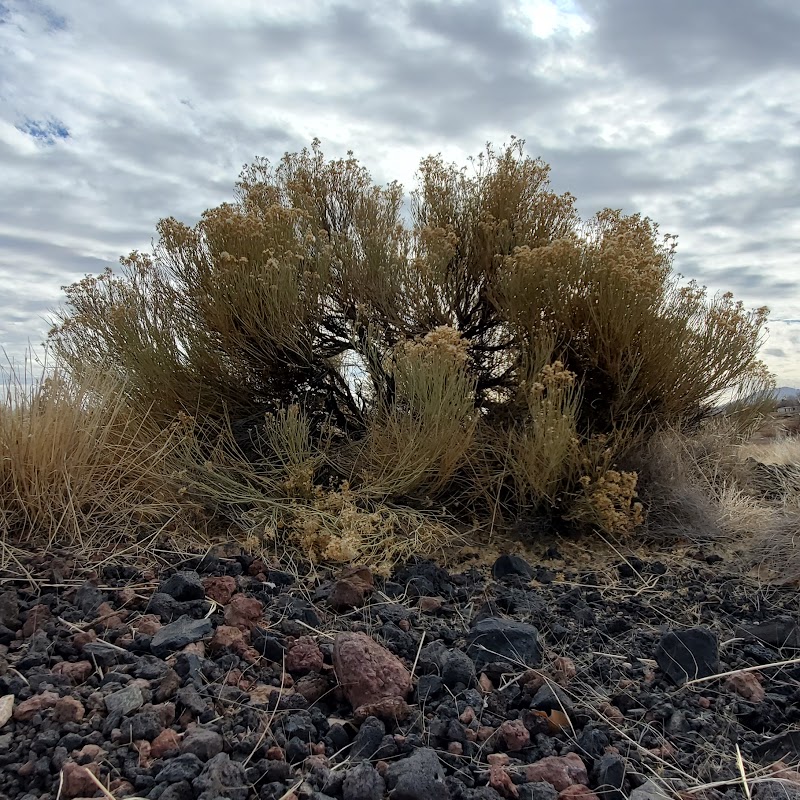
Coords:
116,114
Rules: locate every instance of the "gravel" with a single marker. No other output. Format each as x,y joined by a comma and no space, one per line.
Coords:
224,677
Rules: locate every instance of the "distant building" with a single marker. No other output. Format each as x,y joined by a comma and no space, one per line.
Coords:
788,409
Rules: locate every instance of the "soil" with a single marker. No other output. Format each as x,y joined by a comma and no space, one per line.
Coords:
537,678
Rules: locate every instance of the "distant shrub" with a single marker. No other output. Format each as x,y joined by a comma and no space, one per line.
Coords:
497,352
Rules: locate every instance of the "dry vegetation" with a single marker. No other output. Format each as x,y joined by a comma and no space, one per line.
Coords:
312,370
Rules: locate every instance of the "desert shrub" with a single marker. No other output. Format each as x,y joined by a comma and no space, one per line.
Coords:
77,468
493,351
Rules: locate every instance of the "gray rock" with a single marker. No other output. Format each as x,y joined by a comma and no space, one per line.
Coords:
88,598
107,654
9,610
783,747
497,639
144,725
418,777
190,698
299,723
779,633
452,666
539,790
650,790
688,654
178,791
222,777
202,742
608,777
552,698
508,566
296,750
183,585
428,686
368,740
178,634
166,607
776,790
363,783
185,767
125,700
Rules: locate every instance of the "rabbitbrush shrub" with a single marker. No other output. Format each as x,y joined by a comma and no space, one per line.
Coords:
347,378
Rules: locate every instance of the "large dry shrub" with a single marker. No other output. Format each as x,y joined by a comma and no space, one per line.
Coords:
495,351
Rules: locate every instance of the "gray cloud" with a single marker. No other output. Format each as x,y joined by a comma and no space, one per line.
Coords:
115,115
685,44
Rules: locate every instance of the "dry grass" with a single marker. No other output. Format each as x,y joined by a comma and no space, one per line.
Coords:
78,469
780,450
706,488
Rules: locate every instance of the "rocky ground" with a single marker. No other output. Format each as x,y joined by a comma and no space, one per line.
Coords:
223,677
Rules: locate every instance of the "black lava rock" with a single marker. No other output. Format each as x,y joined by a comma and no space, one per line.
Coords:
685,655
178,634
183,585
496,639
418,777
511,566
363,782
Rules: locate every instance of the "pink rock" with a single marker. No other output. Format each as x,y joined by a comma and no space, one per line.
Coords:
77,782
515,734
243,612
304,656
564,670
392,709
119,787
166,743
312,687
220,589
91,751
76,671
228,637
82,638
126,596
37,616
68,709
577,792
501,782
747,685
148,624
366,671
559,771
429,605
39,702
352,587
108,618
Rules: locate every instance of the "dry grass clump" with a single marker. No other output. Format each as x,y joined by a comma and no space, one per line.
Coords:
77,467
348,374
271,496
712,487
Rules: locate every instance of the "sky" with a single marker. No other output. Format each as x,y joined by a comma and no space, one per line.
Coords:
116,114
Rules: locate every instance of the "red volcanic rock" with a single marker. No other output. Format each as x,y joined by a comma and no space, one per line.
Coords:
368,672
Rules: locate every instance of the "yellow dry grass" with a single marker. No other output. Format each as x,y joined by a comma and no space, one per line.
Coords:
77,469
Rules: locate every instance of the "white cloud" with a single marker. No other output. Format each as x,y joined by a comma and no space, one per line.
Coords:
114,115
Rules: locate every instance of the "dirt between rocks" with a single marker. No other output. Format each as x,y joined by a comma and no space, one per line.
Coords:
224,677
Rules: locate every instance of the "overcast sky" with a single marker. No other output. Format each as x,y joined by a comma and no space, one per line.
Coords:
114,114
